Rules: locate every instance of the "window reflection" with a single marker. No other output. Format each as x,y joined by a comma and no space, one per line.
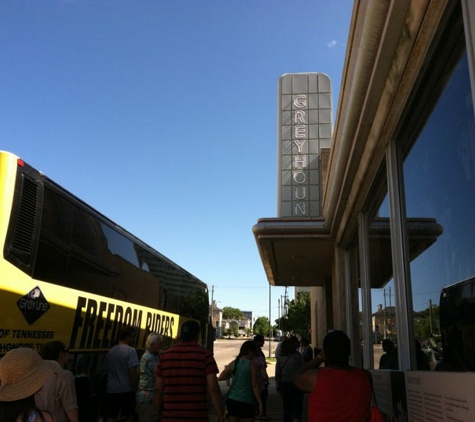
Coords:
120,245
439,183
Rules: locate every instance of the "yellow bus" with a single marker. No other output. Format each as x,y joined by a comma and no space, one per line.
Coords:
69,273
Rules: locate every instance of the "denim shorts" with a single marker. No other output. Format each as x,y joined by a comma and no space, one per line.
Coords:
240,409
120,402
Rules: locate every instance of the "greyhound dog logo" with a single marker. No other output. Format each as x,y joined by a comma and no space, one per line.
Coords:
35,293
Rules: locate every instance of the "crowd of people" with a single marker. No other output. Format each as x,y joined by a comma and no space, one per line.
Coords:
335,392
179,383
173,385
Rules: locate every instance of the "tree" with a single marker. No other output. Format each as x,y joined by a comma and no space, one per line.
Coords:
261,326
235,330
424,320
232,313
297,319
196,306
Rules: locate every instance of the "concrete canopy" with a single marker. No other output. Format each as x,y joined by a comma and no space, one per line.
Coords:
301,252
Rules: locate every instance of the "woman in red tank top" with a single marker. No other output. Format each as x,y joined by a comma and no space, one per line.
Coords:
338,391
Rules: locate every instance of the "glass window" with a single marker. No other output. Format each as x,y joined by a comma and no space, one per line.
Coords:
120,245
55,234
439,177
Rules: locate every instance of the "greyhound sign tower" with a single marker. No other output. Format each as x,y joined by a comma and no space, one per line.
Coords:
304,129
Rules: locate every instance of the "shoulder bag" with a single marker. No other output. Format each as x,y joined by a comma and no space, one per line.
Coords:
375,414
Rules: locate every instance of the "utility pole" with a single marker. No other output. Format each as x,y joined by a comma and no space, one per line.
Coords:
385,316
392,316
430,316
285,302
270,317
212,306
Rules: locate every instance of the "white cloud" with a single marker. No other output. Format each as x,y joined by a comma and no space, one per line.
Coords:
331,44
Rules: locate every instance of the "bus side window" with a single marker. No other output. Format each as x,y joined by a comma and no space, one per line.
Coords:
53,247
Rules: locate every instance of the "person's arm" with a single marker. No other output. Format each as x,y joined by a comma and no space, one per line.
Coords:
264,375
314,363
134,377
67,394
262,365
306,381
47,417
255,386
278,373
226,373
158,396
215,394
308,354
73,415
133,363
370,377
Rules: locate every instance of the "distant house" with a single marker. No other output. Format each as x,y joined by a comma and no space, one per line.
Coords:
384,323
216,319
244,327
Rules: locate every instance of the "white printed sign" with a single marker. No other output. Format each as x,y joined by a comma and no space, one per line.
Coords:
440,396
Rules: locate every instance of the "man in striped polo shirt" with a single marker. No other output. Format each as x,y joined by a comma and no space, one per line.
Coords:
184,376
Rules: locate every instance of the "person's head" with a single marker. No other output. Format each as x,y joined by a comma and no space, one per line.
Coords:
12,411
337,348
55,350
388,345
289,346
285,337
23,373
259,340
305,342
153,343
249,348
127,335
190,331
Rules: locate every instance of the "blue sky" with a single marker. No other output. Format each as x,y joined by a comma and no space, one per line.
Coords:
162,115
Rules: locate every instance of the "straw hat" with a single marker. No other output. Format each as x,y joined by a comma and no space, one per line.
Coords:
23,373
